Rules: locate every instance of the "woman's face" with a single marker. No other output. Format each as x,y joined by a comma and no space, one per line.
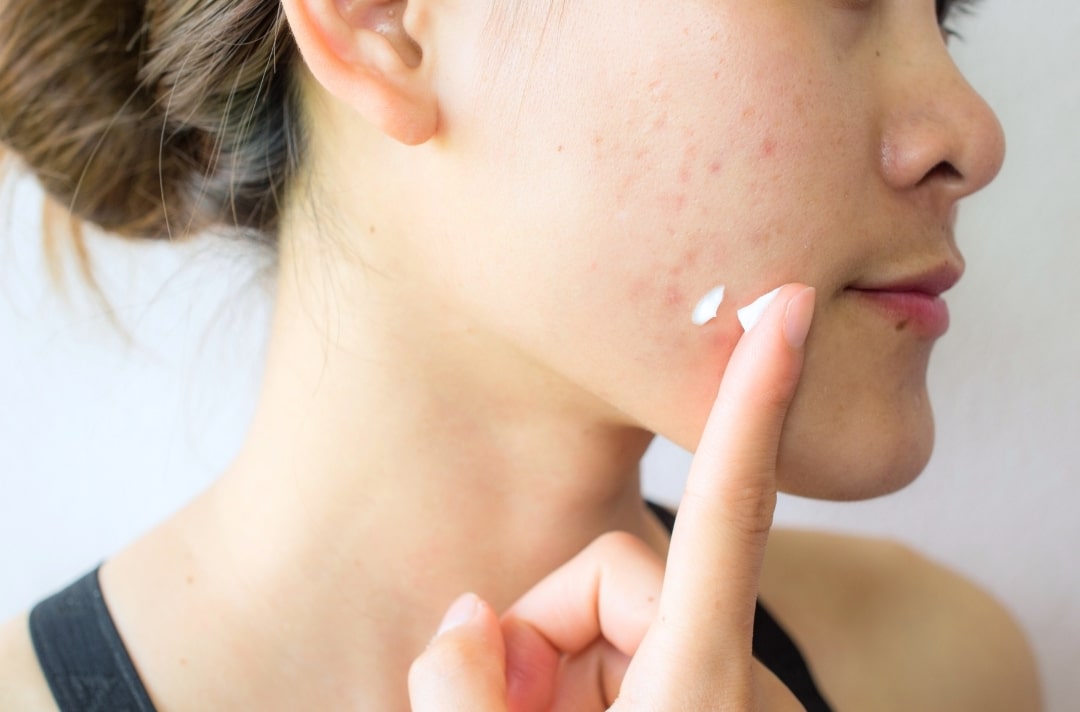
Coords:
600,166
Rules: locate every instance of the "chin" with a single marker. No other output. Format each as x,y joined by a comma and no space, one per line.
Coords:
872,456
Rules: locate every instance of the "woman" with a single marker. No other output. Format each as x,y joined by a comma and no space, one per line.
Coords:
493,221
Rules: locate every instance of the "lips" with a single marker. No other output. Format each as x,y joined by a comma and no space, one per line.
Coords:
913,303
932,282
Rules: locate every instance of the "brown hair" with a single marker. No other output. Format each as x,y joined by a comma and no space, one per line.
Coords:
154,117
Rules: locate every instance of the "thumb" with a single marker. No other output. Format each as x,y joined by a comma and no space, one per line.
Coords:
463,669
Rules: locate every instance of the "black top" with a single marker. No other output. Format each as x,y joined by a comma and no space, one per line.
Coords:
89,670
81,654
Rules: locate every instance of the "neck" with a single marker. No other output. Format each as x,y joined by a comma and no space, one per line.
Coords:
399,456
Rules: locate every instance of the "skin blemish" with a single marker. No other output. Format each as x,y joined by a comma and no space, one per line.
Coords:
673,296
902,325
714,167
674,201
560,148
768,147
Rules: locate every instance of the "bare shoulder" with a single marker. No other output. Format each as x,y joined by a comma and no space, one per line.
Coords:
22,685
885,626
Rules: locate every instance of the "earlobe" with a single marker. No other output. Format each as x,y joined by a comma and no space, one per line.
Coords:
361,53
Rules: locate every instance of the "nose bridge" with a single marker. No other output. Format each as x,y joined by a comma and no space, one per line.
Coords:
937,118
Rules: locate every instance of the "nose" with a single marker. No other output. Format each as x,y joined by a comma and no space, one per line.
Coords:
939,134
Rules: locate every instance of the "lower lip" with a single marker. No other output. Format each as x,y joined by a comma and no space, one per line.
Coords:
922,314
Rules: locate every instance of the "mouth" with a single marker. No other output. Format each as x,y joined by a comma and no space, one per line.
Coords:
913,302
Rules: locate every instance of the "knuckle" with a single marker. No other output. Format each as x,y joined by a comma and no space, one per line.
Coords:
744,504
752,509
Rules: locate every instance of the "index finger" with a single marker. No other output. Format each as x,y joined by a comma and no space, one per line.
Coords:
718,543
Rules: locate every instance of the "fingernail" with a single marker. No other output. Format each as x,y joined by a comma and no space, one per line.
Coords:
797,317
460,612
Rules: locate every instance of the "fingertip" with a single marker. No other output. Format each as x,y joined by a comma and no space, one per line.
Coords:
463,667
472,621
798,316
461,611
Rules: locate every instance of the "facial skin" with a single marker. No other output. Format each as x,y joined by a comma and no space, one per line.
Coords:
598,168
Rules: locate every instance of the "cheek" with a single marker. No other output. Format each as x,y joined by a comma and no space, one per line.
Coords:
708,175
642,183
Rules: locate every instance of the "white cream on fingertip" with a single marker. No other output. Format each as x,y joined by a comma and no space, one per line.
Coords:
706,309
752,312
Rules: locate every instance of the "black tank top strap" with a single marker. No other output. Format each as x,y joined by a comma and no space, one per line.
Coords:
773,647
81,654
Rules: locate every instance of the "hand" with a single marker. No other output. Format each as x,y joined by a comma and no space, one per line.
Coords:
612,628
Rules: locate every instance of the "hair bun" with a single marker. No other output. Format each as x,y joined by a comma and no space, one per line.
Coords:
151,119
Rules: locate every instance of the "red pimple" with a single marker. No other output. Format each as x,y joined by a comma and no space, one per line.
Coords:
673,296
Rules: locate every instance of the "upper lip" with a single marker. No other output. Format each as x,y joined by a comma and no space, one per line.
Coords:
931,282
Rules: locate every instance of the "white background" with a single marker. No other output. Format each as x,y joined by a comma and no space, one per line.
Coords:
101,437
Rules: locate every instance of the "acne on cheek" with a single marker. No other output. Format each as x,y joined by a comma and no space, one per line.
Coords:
663,287
673,296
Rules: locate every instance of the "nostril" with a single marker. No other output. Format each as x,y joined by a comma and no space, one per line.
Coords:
942,171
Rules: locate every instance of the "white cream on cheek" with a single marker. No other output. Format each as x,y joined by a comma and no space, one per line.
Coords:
706,309
709,305
752,312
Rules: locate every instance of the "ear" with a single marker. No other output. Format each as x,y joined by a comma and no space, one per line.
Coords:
360,52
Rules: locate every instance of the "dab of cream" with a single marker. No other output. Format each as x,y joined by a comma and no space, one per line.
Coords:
706,309
751,313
